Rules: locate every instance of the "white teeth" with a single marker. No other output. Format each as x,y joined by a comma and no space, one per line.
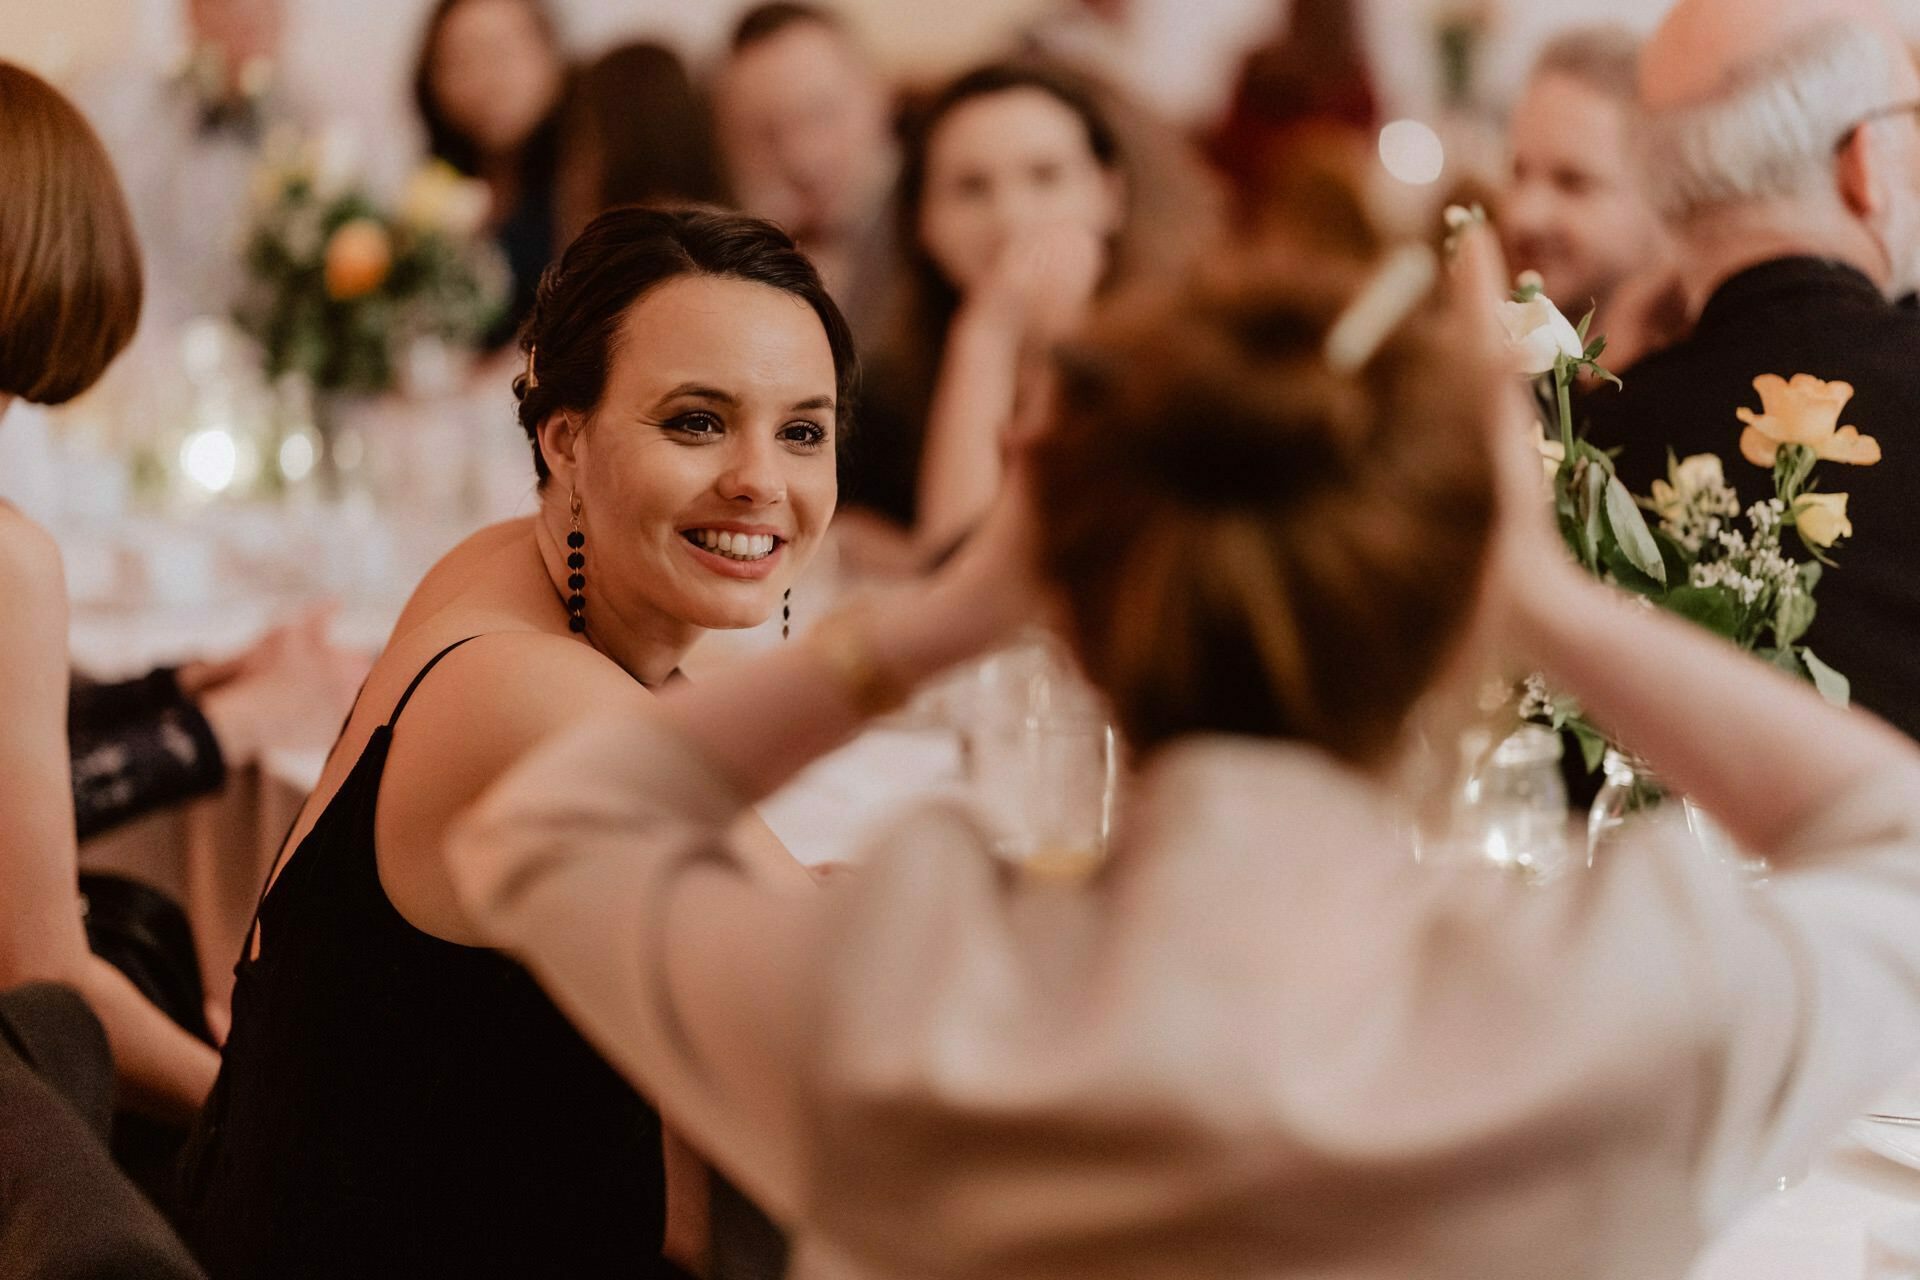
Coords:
736,546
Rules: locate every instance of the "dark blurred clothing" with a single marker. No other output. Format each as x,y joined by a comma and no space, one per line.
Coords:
880,460
1819,317
136,746
66,1213
526,239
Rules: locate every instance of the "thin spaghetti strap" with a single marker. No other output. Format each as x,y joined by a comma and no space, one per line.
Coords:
432,662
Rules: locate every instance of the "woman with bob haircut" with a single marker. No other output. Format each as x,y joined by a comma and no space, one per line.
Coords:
70,290
1290,516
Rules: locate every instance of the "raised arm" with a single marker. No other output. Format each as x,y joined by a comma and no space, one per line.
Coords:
604,862
1761,751
1037,292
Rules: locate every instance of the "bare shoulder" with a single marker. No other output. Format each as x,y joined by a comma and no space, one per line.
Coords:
491,699
479,711
29,557
33,624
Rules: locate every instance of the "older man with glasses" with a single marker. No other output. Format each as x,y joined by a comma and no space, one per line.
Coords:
1780,141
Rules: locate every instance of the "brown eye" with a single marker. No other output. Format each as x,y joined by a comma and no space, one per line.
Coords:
810,434
697,424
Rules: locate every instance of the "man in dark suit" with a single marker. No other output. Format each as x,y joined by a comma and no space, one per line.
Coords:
1781,140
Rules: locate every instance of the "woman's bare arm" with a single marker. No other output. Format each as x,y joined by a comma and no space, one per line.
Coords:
163,1069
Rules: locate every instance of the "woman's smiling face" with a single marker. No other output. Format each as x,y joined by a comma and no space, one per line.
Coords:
706,476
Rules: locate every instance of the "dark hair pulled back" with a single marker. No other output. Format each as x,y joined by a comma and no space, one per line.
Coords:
574,332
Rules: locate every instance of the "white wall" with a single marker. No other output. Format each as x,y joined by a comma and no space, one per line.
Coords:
353,55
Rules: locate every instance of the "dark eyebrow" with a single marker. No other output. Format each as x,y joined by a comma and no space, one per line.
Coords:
701,391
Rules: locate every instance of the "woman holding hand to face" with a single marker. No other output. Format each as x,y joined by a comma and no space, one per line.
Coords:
1025,190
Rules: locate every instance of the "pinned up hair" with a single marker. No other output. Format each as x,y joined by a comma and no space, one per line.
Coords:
70,283
1248,540
573,335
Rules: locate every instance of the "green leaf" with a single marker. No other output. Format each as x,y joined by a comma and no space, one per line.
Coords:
1593,529
1630,528
1711,607
1592,746
1674,556
1586,322
1627,576
1833,686
1792,618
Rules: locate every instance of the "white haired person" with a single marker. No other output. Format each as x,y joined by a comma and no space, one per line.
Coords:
1781,140
1282,509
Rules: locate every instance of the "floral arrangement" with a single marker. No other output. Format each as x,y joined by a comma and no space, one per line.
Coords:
337,287
1731,571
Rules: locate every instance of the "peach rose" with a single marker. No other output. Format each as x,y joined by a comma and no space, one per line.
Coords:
1804,411
359,256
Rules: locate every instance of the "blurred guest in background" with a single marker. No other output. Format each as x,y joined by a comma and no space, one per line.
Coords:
1290,516
187,145
804,126
636,131
488,84
68,253
1574,208
1025,189
1782,143
1311,77
395,1098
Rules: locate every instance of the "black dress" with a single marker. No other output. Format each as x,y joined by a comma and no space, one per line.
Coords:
392,1104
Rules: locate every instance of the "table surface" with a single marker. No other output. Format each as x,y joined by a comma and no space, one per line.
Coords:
1818,1229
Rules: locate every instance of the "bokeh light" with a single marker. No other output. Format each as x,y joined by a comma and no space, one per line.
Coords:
1412,152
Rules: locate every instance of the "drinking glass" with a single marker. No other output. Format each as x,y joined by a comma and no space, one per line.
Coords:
1042,760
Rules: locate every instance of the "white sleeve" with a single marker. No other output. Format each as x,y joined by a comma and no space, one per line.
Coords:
1821,984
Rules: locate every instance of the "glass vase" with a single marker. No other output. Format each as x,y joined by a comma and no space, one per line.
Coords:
1632,789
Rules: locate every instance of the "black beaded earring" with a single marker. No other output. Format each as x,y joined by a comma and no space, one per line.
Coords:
576,561
786,614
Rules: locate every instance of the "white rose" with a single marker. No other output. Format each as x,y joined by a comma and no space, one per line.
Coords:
1700,473
1538,335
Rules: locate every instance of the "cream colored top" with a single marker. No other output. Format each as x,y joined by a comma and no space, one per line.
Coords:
1264,1042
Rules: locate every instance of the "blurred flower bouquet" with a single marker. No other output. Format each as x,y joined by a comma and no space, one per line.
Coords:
339,289
1729,570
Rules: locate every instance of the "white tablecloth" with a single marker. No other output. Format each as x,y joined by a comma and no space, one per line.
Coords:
1816,1230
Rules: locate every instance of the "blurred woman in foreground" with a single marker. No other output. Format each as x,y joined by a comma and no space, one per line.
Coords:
1288,514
